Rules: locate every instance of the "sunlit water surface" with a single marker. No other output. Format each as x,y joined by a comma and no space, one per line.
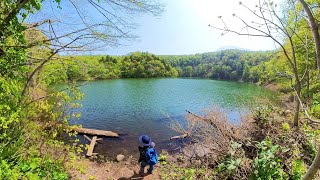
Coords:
147,106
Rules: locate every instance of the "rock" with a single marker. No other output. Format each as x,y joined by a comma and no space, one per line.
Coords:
120,157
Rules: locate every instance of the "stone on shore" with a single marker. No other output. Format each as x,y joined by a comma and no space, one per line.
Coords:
120,157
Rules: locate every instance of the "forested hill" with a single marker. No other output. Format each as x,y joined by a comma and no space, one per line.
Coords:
135,65
226,64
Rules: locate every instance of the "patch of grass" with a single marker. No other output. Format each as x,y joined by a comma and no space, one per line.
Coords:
285,127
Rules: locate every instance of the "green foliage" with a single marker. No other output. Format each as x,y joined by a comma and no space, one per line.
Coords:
286,127
188,174
267,165
229,166
262,113
21,159
163,159
315,108
298,169
233,164
172,171
226,64
136,65
33,168
313,136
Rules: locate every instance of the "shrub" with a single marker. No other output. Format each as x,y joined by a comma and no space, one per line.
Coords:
229,166
286,127
298,169
267,165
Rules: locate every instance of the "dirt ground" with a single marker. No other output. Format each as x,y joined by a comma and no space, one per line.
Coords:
86,169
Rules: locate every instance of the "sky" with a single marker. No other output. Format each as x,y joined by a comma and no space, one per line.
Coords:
181,29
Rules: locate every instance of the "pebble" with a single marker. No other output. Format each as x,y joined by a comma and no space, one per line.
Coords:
120,157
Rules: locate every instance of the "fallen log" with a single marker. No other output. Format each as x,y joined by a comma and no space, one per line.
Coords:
179,137
91,146
93,142
96,132
93,132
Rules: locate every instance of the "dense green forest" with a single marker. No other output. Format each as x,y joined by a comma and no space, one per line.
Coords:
226,65
278,141
136,65
234,65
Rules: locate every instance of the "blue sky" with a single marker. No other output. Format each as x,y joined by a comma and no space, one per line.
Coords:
181,29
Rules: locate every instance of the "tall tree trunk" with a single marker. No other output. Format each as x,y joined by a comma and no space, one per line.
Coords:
298,91
308,87
315,31
296,112
313,169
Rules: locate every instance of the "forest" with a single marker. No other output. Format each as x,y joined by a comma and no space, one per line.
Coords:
236,65
277,141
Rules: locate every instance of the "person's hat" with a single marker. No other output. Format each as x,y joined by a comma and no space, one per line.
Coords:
145,140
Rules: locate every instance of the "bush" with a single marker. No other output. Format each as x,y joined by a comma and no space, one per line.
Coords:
33,168
267,165
163,159
286,127
298,169
229,166
315,110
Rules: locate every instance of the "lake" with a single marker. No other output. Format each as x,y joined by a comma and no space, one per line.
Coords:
135,107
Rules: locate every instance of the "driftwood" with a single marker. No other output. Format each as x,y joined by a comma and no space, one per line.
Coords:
96,132
93,142
85,136
203,118
93,132
179,137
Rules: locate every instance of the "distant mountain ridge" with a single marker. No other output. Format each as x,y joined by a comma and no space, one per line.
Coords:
231,48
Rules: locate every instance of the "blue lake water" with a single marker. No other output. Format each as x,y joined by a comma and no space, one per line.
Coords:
145,106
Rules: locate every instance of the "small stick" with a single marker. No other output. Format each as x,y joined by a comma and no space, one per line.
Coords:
85,136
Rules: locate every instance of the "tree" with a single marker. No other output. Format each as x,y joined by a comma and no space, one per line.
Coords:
26,47
288,25
111,28
314,26
274,23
